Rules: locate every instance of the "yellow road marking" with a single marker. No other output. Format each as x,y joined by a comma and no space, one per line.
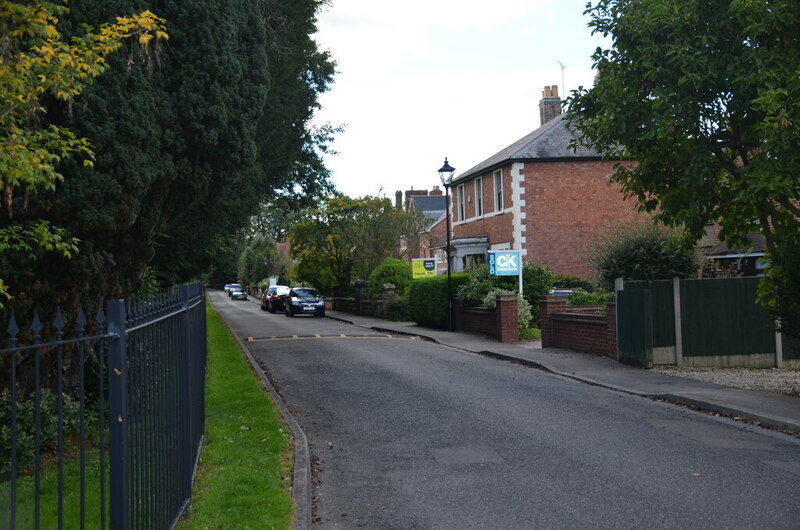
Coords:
342,336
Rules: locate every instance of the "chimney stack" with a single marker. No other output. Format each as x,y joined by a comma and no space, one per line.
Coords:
398,199
550,104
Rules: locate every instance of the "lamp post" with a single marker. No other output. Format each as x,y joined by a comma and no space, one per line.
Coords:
446,176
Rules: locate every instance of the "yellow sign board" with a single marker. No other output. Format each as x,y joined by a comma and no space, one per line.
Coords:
423,267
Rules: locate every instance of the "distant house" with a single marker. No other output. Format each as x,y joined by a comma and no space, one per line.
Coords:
430,207
539,196
721,260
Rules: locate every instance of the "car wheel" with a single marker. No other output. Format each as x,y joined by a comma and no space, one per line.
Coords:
288,312
271,308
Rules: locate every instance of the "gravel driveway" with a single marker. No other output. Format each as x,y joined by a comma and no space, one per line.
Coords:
782,381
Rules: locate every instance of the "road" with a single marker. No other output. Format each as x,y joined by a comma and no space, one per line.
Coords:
409,434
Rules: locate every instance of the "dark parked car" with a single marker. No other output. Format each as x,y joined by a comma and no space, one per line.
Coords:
304,301
274,298
238,294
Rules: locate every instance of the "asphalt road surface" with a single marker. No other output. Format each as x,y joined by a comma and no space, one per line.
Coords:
405,433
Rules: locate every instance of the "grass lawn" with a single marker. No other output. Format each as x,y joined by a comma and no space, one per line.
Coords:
246,466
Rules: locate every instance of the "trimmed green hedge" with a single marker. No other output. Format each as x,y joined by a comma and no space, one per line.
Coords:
427,299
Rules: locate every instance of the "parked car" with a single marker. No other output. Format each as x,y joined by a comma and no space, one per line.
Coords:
227,287
274,298
234,287
304,301
238,294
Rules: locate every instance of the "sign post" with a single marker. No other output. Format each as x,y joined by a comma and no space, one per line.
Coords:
506,263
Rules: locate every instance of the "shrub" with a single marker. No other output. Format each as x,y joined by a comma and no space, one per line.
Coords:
398,310
582,298
642,251
427,299
391,270
26,425
565,281
523,307
537,281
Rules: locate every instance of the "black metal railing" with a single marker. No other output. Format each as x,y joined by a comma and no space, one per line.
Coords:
104,417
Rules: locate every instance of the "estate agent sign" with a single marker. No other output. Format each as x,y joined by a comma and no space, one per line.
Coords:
423,267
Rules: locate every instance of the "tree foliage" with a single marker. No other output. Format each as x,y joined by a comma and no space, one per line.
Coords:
187,145
642,251
344,239
391,270
37,63
703,96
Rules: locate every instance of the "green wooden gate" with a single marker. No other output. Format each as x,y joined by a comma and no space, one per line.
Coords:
635,327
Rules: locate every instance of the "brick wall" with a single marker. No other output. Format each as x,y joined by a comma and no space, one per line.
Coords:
501,323
576,331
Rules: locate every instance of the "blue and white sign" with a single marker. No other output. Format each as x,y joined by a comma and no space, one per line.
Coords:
505,263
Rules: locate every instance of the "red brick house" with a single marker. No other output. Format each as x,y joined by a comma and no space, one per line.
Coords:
537,195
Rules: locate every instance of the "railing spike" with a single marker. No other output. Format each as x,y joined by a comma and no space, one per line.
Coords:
36,324
81,318
59,321
12,328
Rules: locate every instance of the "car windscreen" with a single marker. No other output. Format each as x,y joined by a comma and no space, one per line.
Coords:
280,291
305,293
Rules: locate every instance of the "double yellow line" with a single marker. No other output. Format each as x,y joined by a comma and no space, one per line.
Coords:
340,336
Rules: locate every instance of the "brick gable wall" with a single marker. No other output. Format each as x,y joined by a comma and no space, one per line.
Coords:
567,206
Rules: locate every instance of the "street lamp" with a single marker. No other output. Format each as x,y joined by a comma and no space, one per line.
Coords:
446,176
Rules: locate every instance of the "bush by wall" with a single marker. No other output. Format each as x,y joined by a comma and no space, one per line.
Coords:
565,281
537,281
427,299
391,270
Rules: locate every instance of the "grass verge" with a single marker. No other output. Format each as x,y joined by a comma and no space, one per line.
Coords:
246,463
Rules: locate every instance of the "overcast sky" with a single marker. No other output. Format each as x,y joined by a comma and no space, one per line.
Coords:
419,80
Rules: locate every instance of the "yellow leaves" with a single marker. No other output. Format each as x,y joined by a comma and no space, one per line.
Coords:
144,38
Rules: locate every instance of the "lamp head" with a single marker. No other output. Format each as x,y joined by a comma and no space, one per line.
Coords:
446,173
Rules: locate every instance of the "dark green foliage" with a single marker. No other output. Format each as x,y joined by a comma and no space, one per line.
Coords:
702,95
565,281
189,142
398,310
537,281
643,251
391,270
258,261
26,426
427,299
584,298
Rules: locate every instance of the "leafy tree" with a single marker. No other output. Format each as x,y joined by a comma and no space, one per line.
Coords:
701,94
642,251
391,270
36,63
183,158
258,261
344,239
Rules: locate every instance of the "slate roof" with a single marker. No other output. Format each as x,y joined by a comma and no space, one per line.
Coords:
431,207
548,142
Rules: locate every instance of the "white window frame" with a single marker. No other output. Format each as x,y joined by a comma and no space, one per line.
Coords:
462,206
478,197
498,190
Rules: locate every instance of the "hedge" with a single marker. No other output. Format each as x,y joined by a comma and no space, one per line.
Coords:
427,299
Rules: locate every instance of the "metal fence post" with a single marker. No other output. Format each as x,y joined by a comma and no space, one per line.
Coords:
186,375
118,416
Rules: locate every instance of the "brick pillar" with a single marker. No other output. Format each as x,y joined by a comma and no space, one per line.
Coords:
547,306
389,294
507,318
611,333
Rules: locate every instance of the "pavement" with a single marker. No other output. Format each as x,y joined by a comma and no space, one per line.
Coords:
769,409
